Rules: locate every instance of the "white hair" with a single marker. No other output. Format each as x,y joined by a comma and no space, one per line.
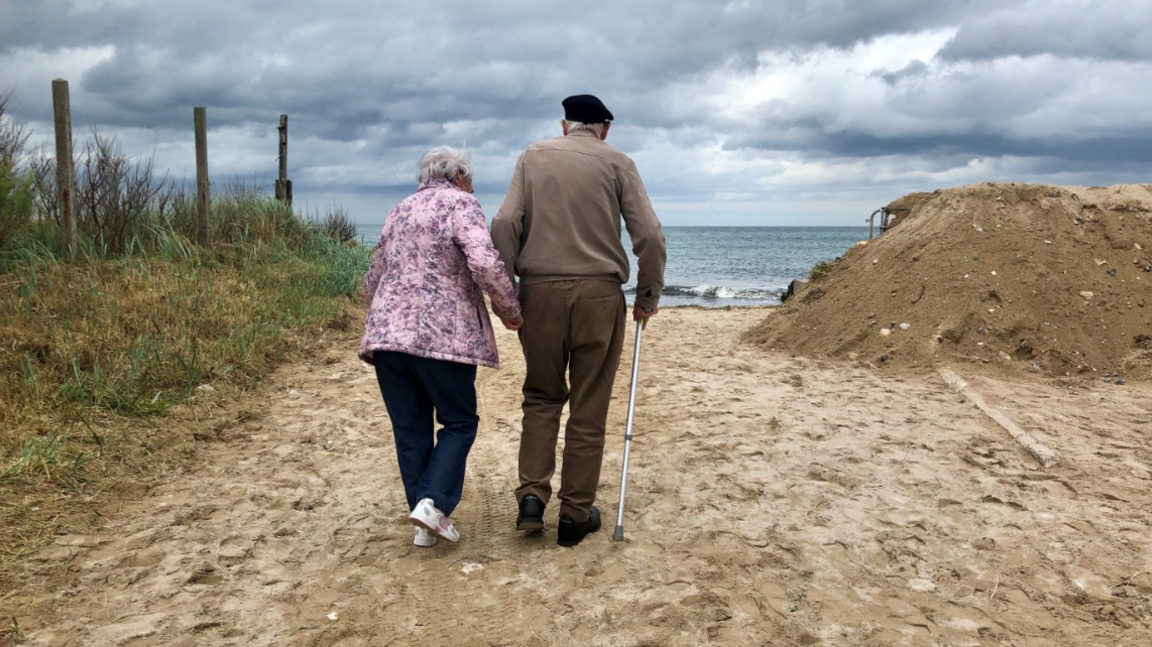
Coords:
446,163
579,126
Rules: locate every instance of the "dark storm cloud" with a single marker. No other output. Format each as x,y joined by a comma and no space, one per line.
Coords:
50,25
368,85
1131,148
440,60
1098,30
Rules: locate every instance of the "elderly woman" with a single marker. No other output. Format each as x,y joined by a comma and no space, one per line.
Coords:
428,330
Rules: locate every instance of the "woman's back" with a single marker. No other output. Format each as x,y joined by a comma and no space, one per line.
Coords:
424,286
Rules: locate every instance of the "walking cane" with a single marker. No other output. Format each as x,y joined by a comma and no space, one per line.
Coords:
619,534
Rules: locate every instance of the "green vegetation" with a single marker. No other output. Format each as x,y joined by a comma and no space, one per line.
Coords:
820,269
91,349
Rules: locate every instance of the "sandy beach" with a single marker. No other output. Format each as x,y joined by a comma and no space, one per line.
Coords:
772,501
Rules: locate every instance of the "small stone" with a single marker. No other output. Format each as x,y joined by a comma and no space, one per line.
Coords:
1005,356
884,357
333,616
905,326
1120,382
1148,268
1086,294
1100,262
1112,272
981,330
993,272
1047,242
875,261
891,325
884,332
206,388
921,585
1137,246
853,356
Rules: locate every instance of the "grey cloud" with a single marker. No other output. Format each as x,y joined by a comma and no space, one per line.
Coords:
368,85
913,71
1097,30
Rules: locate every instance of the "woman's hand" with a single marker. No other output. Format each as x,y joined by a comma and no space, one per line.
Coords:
514,323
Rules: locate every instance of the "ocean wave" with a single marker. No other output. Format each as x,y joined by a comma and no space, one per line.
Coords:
719,292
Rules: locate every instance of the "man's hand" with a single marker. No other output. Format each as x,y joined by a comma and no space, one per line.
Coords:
640,314
514,323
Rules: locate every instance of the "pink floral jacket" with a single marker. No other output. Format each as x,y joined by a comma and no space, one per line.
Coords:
423,286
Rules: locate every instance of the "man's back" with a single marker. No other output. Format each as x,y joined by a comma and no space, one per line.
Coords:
561,217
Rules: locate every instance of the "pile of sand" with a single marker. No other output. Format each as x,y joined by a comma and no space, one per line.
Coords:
1055,280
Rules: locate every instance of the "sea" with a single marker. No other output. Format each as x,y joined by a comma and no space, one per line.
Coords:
716,267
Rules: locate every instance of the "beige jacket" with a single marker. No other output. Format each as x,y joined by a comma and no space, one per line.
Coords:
561,217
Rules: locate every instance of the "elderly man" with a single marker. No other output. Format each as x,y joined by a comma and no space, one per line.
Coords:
559,231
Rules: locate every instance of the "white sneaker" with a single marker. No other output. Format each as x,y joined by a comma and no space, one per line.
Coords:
428,516
424,539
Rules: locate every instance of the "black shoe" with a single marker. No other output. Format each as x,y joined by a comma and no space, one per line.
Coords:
569,533
531,515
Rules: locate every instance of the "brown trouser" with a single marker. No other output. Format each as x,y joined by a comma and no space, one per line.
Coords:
574,327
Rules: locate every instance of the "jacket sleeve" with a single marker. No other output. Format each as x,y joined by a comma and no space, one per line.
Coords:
508,225
470,233
647,237
378,264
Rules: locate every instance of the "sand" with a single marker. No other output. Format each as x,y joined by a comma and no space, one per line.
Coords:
773,500
1027,278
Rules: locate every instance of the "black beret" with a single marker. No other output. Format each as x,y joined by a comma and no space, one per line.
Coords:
586,109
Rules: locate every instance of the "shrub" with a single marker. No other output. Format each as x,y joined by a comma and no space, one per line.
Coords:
113,192
337,223
12,135
15,185
15,202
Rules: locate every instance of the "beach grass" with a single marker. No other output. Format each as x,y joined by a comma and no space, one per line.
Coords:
89,348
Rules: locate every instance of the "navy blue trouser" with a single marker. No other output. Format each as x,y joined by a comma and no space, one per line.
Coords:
413,388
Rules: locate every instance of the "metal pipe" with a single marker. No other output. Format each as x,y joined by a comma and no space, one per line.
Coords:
618,535
872,221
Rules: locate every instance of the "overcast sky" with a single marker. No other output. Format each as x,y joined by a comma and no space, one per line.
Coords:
781,112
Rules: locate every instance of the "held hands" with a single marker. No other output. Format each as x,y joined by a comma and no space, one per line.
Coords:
640,314
514,323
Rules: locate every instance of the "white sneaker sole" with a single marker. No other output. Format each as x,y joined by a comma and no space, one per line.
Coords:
417,519
424,539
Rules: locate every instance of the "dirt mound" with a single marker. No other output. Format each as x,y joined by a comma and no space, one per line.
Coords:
1055,280
902,207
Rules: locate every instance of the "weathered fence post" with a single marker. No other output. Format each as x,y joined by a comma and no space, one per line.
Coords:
200,121
65,173
283,184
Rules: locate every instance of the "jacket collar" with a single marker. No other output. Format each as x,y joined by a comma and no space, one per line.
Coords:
437,183
582,133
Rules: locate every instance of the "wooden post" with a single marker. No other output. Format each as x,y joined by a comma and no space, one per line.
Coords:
65,173
283,184
200,121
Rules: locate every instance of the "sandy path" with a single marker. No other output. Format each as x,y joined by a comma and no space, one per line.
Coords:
773,501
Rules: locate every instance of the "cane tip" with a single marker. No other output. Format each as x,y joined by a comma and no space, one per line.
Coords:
618,535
